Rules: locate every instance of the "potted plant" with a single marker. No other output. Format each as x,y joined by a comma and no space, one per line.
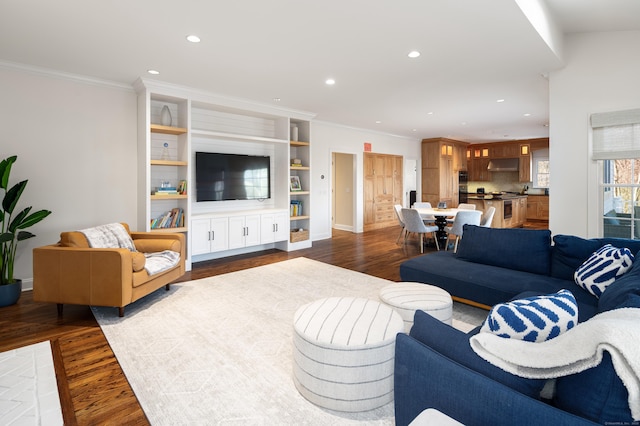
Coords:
12,230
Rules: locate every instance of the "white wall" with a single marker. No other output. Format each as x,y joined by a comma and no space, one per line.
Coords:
76,143
601,75
327,138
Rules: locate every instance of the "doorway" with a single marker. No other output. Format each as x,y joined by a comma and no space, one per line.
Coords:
342,191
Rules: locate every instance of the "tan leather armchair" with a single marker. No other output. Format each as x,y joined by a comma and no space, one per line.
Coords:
72,272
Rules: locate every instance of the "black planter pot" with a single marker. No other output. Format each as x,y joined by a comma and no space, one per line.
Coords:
10,293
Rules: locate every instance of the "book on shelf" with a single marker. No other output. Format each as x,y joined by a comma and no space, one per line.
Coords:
173,218
182,187
295,208
167,190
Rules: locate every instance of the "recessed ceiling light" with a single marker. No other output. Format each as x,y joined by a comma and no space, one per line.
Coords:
430,113
527,114
413,54
193,38
378,122
276,99
330,82
414,130
500,100
153,72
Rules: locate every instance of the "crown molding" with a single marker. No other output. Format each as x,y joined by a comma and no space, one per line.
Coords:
61,75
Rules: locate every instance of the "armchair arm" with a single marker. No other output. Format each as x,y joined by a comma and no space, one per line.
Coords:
153,242
84,276
426,379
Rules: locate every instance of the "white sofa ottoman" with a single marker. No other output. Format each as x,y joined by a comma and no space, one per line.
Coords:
344,351
407,297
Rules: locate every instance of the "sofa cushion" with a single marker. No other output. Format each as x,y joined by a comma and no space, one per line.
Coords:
454,344
73,239
602,268
534,319
597,394
569,252
525,250
624,292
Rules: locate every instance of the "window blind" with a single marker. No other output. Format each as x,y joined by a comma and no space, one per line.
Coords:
616,134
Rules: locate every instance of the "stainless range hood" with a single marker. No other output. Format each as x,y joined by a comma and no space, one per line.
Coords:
503,165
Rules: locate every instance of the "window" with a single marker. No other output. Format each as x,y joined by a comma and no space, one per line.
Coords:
616,146
541,168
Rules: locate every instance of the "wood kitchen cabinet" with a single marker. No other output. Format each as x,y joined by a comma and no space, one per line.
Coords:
442,159
478,157
538,207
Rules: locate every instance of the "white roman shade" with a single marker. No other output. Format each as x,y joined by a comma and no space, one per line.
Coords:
616,134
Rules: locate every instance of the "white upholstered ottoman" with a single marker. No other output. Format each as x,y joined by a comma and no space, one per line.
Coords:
407,297
343,353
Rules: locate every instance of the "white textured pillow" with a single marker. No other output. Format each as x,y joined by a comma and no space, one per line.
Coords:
534,319
602,268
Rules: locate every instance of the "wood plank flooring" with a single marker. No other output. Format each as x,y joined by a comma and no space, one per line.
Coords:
94,390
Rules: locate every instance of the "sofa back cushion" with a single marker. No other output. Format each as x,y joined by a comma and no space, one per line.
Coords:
569,252
624,292
454,344
525,250
73,239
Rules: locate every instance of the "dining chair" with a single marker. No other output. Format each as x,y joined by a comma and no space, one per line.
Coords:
487,217
398,209
464,217
413,224
466,206
429,219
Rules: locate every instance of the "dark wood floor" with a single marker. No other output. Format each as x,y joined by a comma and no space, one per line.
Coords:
93,389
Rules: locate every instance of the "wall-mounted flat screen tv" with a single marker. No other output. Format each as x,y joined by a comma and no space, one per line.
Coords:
221,177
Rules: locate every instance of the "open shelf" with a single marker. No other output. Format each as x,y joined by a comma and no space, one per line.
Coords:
169,197
299,168
168,163
292,218
167,130
177,229
298,143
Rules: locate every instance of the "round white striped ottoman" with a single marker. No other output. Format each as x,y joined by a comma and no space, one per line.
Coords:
407,297
343,353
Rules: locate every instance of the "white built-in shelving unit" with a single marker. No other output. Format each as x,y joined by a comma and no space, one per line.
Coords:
212,123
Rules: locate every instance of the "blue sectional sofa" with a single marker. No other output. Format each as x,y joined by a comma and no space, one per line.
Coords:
436,367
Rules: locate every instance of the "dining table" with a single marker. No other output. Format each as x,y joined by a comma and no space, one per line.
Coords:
441,216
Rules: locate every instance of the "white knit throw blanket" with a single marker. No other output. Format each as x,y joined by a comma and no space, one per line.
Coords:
616,331
112,235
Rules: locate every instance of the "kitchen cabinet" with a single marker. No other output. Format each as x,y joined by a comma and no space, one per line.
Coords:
504,150
538,207
479,158
518,210
442,159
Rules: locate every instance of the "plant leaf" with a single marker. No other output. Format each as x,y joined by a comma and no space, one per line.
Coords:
23,235
5,171
18,219
33,218
6,236
12,196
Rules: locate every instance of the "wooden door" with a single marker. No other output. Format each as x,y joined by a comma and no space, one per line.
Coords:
383,188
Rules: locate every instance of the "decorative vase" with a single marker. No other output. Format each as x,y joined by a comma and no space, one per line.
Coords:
165,116
10,293
294,133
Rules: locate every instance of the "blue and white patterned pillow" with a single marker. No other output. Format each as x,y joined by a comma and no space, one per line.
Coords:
602,268
534,319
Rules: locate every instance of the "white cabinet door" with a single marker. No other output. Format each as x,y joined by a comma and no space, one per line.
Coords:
237,232
252,234
282,226
219,234
200,242
274,227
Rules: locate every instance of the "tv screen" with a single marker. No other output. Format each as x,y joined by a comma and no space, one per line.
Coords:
222,177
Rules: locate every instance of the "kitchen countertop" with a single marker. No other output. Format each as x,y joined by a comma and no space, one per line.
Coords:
490,197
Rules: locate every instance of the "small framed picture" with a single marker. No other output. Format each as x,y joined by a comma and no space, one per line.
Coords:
295,183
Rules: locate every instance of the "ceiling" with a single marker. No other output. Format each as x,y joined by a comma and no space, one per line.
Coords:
473,53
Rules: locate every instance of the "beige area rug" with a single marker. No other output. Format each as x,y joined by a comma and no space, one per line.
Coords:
218,351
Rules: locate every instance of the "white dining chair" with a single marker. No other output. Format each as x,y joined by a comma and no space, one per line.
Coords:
398,209
466,206
427,219
487,217
464,217
413,224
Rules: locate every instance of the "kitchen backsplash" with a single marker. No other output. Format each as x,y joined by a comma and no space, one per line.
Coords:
504,181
